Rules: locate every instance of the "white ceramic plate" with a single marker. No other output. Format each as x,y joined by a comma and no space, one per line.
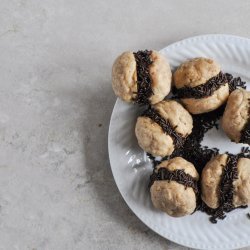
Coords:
131,169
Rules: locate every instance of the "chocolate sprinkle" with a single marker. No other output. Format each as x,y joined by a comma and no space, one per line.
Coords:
203,90
234,83
167,128
245,153
226,191
245,133
144,87
230,174
208,88
153,160
214,213
177,175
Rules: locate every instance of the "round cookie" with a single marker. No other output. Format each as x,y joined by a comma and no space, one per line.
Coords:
211,178
235,120
171,196
143,77
162,128
201,85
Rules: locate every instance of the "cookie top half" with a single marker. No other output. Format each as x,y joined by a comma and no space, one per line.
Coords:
195,72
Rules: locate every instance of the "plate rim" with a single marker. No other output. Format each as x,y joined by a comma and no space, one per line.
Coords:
142,218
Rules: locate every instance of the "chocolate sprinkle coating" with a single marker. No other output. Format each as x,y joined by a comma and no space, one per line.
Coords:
203,90
245,133
167,128
214,213
245,153
230,173
208,88
144,86
226,191
234,83
178,175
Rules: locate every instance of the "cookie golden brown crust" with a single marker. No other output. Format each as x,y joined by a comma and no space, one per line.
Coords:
152,139
172,197
161,77
236,114
242,184
124,77
210,180
211,177
178,116
195,72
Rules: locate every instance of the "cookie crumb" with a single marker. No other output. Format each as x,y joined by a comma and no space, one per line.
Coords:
99,125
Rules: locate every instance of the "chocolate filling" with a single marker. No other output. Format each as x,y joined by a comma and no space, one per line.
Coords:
245,133
203,90
177,138
208,88
144,86
178,175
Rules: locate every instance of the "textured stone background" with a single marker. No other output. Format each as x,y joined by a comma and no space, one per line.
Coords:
56,187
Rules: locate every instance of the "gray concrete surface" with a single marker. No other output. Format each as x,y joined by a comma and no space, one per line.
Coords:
56,186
